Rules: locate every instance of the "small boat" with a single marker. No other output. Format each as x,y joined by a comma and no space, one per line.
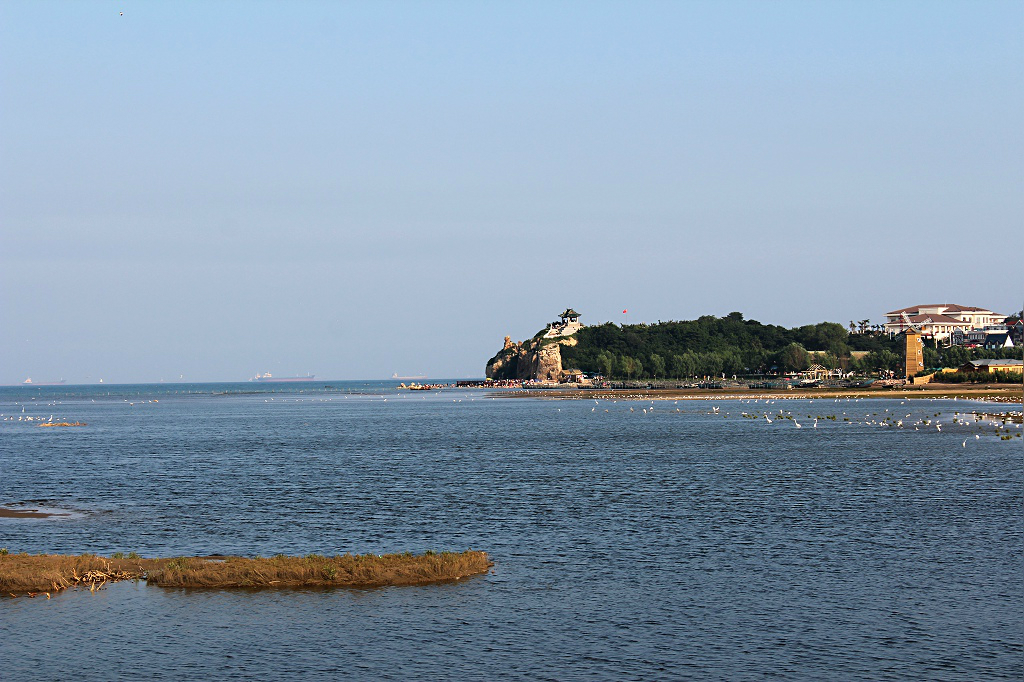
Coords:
421,377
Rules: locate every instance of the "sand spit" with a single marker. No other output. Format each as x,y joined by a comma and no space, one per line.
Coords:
44,574
995,393
6,513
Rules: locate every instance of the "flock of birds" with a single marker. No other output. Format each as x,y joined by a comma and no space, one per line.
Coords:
843,411
1006,425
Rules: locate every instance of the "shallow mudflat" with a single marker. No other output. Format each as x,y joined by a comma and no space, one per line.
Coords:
1000,393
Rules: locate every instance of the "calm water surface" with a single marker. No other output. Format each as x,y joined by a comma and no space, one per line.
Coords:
666,545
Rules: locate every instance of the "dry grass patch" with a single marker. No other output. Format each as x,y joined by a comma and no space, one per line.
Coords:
368,570
45,573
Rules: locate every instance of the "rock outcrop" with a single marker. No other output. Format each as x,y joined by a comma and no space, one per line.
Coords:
538,358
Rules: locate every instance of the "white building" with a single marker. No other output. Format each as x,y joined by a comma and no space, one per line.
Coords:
939,321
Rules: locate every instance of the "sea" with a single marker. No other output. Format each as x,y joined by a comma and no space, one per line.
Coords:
881,539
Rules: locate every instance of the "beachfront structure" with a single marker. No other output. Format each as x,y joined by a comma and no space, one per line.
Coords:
568,325
990,366
939,321
913,352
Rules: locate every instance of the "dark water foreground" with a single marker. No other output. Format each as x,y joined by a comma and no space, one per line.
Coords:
667,545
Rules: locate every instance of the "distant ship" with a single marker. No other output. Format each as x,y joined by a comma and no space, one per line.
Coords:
267,376
29,382
416,378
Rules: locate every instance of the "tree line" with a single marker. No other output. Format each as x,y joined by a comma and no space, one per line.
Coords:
731,345
712,346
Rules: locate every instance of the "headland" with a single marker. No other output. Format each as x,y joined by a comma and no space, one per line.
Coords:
731,355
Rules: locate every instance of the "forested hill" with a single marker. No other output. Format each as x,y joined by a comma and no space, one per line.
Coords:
710,346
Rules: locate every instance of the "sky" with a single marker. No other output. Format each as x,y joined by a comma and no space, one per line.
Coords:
208,190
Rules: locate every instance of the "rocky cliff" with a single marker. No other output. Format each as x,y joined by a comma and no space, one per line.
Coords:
537,358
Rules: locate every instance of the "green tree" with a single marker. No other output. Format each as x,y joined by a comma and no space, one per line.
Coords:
630,367
684,365
657,365
883,360
827,359
709,364
955,356
732,362
793,358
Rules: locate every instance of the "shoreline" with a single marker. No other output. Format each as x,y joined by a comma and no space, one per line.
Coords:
992,393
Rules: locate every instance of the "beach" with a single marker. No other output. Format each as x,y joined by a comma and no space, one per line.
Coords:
996,393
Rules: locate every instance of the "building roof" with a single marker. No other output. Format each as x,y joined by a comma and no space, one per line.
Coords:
945,307
1001,362
999,338
935,319
569,312
954,308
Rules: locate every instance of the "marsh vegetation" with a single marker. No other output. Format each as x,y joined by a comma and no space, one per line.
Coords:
34,574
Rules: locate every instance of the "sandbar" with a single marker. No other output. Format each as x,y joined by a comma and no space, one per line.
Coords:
6,513
995,393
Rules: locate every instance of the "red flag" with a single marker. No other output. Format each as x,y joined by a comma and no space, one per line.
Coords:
623,312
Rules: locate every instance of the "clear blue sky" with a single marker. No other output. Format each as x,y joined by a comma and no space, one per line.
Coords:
354,189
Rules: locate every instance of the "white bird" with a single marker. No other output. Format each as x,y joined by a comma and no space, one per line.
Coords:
767,419
965,442
797,424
